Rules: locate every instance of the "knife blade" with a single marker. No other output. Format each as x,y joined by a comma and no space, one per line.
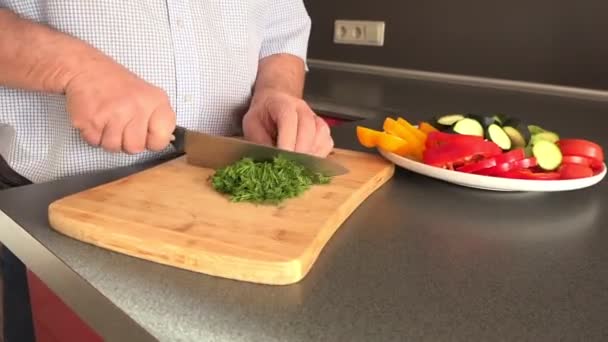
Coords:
215,152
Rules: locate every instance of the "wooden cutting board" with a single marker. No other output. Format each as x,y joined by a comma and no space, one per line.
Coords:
171,215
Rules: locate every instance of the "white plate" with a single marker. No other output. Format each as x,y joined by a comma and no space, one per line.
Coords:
492,183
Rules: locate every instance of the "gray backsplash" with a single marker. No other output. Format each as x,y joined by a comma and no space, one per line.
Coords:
547,41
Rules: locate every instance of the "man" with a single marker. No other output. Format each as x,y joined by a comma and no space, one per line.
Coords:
90,85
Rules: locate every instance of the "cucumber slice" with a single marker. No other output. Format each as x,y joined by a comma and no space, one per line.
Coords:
499,136
518,139
469,126
449,120
547,154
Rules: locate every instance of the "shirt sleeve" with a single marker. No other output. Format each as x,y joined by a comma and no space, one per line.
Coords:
287,29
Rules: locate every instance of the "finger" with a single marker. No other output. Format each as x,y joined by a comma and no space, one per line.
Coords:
324,143
91,126
134,135
286,119
325,148
111,139
160,128
322,133
92,136
306,130
254,131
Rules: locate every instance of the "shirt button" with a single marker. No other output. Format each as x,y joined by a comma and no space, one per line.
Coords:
180,23
188,98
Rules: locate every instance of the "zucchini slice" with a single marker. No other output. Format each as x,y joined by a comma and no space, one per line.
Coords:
518,132
544,136
518,139
469,126
534,129
449,120
484,120
547,154
499,136
500,119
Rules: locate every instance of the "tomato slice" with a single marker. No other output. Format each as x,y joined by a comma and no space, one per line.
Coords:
574,171
581,148
477,166
578,160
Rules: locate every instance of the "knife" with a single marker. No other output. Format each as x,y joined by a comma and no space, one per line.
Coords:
215,152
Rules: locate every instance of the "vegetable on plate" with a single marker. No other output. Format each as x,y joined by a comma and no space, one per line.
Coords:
582,148
490,145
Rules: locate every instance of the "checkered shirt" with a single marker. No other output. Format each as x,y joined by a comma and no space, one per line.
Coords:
203,53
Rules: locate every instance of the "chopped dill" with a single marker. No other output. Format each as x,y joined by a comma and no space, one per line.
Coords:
265,182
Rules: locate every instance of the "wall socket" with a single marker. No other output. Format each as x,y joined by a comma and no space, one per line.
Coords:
359,32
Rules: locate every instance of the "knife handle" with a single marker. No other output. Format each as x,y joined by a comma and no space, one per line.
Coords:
178,139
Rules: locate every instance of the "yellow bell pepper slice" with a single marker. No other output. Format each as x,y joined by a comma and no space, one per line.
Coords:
421,136
368,137
393,127
426,127
392,143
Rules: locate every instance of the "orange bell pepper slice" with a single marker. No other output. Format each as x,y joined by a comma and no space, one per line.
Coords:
368,137
427,128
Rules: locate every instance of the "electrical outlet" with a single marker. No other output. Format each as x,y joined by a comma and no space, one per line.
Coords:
358,32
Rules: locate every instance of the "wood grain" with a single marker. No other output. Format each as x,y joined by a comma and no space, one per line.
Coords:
171,215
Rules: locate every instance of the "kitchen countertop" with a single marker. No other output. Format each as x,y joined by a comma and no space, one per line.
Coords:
419,260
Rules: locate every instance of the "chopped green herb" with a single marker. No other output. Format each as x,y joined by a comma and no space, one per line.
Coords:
268,182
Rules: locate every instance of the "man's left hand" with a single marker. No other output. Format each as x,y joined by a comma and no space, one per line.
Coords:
277,118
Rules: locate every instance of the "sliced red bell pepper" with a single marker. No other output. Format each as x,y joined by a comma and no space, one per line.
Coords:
439,138
511,156
478,166
505,162
529,174
504,168
497,170
455,154
525,163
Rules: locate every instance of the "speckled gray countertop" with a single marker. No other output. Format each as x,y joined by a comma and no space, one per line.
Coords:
420,260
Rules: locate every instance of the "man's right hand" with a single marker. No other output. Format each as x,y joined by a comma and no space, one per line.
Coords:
111,106
118,111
